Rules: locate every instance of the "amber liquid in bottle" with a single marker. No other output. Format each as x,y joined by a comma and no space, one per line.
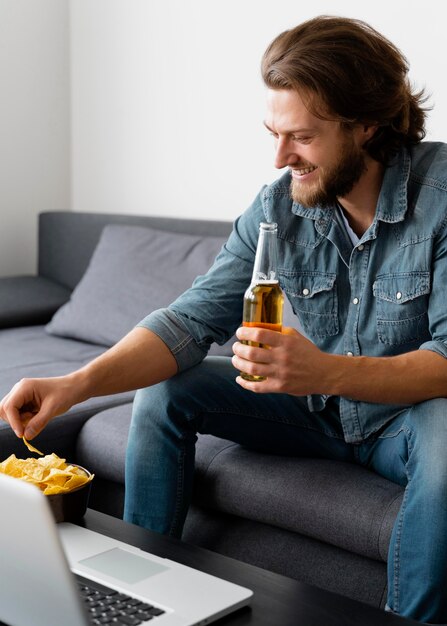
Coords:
263,300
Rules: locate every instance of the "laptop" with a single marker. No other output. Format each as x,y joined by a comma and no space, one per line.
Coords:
65,575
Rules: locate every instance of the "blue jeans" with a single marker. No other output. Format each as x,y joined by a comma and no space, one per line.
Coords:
411,451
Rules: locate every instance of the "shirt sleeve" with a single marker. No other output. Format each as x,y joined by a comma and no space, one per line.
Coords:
437,304
211,309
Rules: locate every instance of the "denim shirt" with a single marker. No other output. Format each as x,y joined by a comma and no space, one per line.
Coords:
382,297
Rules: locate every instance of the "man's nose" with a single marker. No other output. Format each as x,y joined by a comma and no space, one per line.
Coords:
284,154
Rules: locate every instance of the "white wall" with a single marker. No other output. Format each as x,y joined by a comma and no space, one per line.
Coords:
34,124
156,107
167,100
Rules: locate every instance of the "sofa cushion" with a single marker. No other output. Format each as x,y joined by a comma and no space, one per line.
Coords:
290,554
133,271
339,503
30,352
26,300
101,444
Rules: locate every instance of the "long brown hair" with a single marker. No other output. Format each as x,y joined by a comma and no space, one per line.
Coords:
349,72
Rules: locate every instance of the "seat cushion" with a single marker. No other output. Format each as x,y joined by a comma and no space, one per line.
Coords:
29,352
102,442
338,503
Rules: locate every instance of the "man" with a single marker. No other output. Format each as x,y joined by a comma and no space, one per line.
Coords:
362,224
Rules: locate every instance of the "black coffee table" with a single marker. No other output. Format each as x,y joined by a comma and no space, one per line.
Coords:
277,600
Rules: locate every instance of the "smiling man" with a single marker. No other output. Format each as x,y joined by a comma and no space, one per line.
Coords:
362,243
326,159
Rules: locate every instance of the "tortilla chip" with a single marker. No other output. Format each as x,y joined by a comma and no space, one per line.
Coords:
50,473
30,447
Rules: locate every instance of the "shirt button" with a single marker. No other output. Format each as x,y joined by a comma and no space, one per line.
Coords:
306,292
349,354
398,295
360,247
355,301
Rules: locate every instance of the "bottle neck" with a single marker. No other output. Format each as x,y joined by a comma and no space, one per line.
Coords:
265,267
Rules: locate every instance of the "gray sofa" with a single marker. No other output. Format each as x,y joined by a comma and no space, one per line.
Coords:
323,522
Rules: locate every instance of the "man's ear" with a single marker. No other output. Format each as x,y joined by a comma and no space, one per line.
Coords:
369,131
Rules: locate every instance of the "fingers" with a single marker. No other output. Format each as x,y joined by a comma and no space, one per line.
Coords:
251,367
251,353
33,402
19,408
259,335
254,361
251,359
271,361
11,415
36,424
262,386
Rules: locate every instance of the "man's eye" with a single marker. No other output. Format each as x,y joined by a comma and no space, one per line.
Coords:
301,139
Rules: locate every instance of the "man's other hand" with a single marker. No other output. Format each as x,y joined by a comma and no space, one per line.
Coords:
289,362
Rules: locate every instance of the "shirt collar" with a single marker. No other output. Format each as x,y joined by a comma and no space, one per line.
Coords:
392,204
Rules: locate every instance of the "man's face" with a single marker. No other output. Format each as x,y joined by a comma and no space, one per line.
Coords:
325,159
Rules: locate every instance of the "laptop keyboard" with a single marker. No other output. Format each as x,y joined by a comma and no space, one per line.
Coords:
107,606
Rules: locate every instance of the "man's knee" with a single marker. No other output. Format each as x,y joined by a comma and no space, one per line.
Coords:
427,436
429,417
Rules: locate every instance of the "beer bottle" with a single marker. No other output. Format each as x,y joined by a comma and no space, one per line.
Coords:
263,300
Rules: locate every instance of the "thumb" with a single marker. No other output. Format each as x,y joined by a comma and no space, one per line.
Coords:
36,424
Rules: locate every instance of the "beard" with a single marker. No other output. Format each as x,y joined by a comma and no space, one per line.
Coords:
334,181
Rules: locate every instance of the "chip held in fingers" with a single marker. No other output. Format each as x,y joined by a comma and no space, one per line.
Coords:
30,447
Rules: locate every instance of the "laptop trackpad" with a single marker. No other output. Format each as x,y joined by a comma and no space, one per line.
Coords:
124,566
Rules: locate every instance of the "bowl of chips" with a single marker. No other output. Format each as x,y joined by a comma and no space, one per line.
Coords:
67,486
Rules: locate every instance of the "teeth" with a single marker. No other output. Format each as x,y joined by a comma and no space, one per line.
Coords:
306,170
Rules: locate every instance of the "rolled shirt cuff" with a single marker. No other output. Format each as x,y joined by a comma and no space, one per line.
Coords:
166,325
435,346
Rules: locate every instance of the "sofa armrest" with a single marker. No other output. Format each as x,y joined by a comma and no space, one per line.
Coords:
29,300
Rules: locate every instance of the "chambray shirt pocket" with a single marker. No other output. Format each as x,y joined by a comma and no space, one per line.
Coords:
401,306
313,296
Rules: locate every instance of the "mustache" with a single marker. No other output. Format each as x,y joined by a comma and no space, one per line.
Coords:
301,166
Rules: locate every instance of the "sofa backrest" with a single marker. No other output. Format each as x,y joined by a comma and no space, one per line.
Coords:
67,239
